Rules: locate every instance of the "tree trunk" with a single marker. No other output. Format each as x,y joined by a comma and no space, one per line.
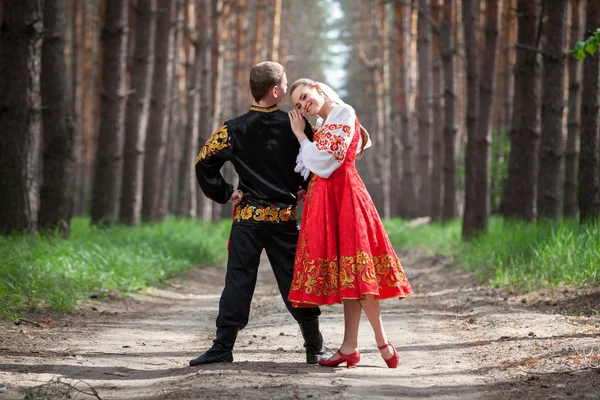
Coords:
158,124
471,225
167,180
551,142
260,37
383,114
438,118
574,114
78,42
138,104
90,57
241,66
286,34
487,89
525,131
106,191
449,210
276,31
217,82
407,202
58,187
20,117
205,205
511,29
370,55
424,106
398,40
188,192
589,167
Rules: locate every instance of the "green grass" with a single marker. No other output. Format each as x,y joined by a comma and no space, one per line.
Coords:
514,254
51,271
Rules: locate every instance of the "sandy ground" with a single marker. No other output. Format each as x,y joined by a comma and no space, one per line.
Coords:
457,340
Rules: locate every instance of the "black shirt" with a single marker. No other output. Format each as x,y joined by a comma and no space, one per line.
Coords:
263,149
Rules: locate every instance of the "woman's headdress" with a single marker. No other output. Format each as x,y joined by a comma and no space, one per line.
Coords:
331,95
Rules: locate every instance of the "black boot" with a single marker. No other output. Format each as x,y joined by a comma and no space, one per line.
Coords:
221,350
313,341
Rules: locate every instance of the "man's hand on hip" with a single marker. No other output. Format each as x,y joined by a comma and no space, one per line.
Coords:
236,197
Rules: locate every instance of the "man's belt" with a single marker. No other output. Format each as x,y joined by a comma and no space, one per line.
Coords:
264,214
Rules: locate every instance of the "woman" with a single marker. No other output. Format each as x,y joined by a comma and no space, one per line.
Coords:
344,254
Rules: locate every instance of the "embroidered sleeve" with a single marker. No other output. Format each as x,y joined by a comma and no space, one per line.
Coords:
328,149
209,162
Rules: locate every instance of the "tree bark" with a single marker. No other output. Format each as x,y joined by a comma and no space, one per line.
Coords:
589,166
91,63
188,192
449,210
487,88
551,141
187,183
383,113
167,180
138,104
438,118
106,191
525,131
471,226
408,201
78,42
276,31
204,207
241,66
398,81
574,114
260,37
369,52
511,29
217,49
20,116
424,106
58,188
158,124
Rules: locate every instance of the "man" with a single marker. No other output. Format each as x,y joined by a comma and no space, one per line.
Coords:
262,148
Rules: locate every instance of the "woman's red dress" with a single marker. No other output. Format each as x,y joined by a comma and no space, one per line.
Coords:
343,250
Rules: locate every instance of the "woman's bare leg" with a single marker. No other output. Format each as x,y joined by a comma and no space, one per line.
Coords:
352,312
373,312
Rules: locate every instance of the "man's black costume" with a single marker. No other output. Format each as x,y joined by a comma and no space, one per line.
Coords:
262,148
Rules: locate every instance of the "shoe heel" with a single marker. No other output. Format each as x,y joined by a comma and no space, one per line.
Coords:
352,360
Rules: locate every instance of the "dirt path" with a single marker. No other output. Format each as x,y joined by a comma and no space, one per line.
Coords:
456,339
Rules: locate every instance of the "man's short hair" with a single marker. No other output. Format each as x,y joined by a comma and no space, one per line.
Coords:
263,77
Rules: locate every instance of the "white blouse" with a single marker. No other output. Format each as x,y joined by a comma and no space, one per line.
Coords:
328,151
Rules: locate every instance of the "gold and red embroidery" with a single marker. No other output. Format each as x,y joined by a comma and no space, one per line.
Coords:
327,277
265,214
217,142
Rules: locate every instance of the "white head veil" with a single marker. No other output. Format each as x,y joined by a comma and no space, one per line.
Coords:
331,95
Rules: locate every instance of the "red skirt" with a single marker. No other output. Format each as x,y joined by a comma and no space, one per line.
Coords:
343,249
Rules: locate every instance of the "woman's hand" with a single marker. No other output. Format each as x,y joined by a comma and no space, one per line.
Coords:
298,124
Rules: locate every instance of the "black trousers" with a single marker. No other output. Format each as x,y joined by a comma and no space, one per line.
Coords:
246,245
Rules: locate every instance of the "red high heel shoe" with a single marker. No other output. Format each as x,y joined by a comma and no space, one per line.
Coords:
350,359
394,360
